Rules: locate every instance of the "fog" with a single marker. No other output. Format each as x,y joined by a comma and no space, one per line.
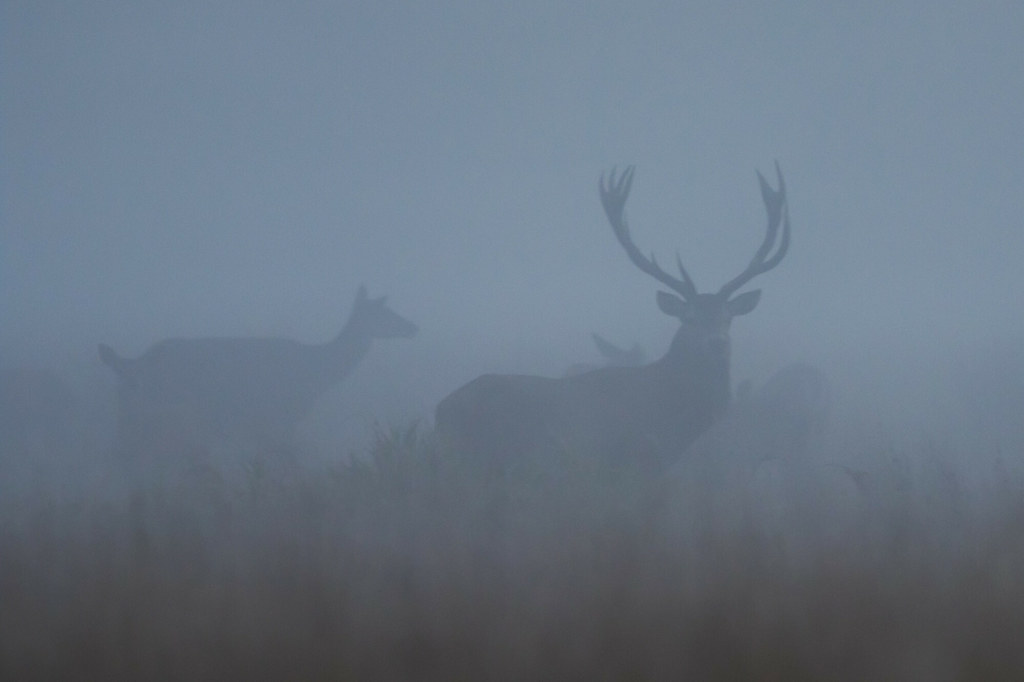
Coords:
190,171
185,170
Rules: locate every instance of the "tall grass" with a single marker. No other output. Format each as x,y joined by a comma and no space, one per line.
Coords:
412,564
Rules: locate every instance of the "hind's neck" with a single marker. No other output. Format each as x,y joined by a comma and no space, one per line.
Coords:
337,358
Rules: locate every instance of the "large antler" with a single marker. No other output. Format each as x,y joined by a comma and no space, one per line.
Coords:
778,213
614,192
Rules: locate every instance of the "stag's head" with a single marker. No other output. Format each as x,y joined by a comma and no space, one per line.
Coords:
703,335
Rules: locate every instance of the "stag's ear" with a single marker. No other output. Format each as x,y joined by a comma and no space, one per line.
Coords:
671,304
744,303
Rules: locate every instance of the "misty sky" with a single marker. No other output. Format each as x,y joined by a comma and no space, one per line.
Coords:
238,169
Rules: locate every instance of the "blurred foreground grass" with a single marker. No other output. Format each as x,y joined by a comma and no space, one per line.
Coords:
409,565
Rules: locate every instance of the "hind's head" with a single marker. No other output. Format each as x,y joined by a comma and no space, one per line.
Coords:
375,319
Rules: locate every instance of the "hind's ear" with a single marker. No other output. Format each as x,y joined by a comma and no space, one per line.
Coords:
108,356
121,367
361,294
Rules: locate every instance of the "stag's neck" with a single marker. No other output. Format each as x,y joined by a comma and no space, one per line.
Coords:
703,379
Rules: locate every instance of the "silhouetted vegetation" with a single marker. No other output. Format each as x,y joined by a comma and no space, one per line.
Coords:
409,564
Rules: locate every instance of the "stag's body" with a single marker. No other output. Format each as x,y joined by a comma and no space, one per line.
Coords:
248,391
649,414
640,413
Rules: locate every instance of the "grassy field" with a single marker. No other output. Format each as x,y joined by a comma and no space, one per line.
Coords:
408,564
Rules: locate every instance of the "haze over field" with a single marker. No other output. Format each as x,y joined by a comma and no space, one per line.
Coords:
238,170
192,170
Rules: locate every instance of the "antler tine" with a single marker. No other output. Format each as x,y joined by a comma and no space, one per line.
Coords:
614,192
686,276
778,214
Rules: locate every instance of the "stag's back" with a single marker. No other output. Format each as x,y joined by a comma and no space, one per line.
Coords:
642,415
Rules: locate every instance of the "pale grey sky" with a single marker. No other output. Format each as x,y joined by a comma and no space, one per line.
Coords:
229,169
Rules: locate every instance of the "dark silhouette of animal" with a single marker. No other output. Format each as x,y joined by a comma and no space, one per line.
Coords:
779,421
613,357
241,391
650,413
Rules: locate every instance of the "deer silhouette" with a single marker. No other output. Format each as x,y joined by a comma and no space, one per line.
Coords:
614,356
250,391
650,413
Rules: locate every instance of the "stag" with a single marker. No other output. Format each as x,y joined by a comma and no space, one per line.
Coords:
614,356
250,391
645,414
